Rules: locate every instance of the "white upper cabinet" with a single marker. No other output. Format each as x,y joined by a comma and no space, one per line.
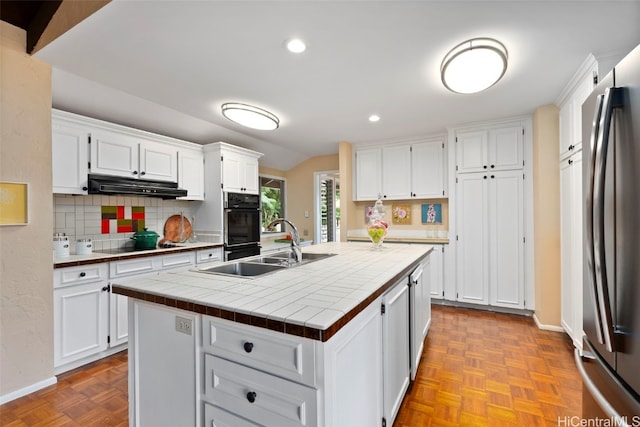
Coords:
427,170
396,172
191,173
401,171
239,172
490,150
70,158
119,154
368,174
575,93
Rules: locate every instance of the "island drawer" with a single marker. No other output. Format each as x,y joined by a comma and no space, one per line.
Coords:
216,417
260,397
287,356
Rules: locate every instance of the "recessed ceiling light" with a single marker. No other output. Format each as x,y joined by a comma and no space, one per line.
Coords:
474,65
296,46
250,116
374,118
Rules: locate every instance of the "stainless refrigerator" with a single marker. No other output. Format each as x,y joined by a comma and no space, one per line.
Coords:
610,364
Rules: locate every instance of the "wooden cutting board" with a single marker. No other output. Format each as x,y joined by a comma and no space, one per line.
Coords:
177,229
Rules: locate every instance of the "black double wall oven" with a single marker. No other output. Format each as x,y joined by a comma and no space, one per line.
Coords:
242,226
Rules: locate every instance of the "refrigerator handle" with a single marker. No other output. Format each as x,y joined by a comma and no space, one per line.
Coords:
612,96
595,127
608,409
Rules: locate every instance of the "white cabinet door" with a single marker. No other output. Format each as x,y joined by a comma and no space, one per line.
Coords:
80,321
471,151
472,261
118,320
368,174
506,232
427,170
506,148
396,172
239,173
437,272
571,246
158,161
70,158
251,176
565,123
164,364
191,173
395,348
420,311
114,154
499,148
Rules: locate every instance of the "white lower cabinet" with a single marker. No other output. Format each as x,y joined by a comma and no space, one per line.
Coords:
81,313
437,277
420,309
164,364
191,369
395,348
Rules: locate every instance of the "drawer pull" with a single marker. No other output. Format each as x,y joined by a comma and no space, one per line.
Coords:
251,396
248,347
82,274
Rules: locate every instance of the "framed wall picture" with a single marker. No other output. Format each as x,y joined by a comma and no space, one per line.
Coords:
432,213
14,203
401,214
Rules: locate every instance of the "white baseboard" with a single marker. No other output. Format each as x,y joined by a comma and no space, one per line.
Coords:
27,390
547,327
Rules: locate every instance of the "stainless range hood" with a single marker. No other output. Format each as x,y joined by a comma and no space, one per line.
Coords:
111,185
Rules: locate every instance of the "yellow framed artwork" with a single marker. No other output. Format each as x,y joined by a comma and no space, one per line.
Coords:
401,214
14,203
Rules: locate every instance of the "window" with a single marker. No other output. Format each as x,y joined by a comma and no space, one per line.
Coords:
272,201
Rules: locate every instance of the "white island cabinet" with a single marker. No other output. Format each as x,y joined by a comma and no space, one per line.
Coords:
281,358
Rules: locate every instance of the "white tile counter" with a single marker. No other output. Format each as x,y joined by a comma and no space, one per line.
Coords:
313,300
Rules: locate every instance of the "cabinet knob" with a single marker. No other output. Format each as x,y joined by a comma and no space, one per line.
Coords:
135,172
492,176
485,177
571,147
485,166
413,194
143,173
210,255
106,288
248,347
251,396
82,274
570,161
84,188
493,166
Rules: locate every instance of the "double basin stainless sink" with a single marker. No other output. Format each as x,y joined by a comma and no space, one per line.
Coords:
263,264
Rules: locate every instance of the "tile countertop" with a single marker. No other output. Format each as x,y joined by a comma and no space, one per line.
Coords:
98,257
314,300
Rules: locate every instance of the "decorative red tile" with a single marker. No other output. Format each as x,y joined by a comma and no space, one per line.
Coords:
120,211
137,215
105,226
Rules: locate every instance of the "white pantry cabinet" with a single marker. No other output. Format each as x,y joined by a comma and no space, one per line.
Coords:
401,171
70,157
490,238
81,313
119,154
571,246
420,300
490,149
191,173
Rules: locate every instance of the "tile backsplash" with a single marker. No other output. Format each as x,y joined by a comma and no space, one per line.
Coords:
110,221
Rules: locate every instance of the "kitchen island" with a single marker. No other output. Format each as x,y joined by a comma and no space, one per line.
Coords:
309,345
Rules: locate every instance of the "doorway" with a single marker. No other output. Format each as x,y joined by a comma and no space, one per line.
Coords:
327,207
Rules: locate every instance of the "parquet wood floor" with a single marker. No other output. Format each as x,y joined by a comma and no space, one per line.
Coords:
482,368
479,369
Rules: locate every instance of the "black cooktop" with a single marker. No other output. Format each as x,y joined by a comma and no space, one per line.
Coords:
130,249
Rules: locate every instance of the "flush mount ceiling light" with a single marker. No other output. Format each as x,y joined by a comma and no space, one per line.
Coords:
250,116
374,118
474,65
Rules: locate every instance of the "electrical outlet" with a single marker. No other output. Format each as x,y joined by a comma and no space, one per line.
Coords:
184,325
305,232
